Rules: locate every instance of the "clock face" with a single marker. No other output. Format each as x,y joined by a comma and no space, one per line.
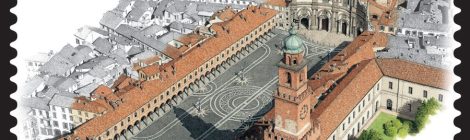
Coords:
303,112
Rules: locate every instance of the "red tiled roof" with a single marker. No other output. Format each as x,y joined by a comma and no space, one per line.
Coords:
137,97
225,14
281,3
414,72
345,96
191,38
83,104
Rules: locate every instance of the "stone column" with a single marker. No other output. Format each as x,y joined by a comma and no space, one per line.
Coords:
333,27
339,27
320,23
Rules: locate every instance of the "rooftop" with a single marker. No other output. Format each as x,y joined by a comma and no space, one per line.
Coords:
416,73
111,20
62,101
136,97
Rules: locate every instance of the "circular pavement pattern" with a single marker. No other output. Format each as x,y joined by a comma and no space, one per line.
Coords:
232,97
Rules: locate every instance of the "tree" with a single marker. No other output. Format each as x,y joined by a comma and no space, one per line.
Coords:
427,108
371,135
391,127
404,130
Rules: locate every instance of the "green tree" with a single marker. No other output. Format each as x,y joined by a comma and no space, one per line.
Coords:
391,127
427,108
404,129
371,135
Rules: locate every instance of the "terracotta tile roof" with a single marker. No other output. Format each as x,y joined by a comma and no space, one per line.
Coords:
414,72
150,70
172,52
102,91
84,104
345,96
388,18
361,48
191,38
225,14
281,3
137,97
122,83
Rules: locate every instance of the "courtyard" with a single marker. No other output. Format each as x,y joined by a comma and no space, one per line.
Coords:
380,120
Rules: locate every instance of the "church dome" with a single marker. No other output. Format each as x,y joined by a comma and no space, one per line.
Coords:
293,43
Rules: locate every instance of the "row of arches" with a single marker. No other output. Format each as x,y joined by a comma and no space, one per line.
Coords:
161,109
338,21
324,24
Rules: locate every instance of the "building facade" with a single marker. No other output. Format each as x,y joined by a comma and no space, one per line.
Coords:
344,95
346,17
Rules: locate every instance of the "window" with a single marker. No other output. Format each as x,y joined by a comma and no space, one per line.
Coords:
64,125
344,125
64,116
354,114
54,115
63,110
441,97
425,93
349,120
358,127
55,123
409,107
390,85
334,137
410,90
378,86
368,97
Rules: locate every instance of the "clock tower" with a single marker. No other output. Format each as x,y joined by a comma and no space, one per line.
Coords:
293,96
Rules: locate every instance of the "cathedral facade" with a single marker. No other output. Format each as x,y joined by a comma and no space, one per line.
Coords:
346,17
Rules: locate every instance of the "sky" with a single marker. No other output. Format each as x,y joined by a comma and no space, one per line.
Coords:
45,25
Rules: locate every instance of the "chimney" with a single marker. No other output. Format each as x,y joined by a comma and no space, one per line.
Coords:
173,69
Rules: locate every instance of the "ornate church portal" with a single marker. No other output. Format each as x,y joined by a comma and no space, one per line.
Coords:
340,16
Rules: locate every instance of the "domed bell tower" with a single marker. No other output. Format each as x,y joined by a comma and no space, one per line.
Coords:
292,98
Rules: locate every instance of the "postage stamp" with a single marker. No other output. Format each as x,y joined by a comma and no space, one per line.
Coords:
235,69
